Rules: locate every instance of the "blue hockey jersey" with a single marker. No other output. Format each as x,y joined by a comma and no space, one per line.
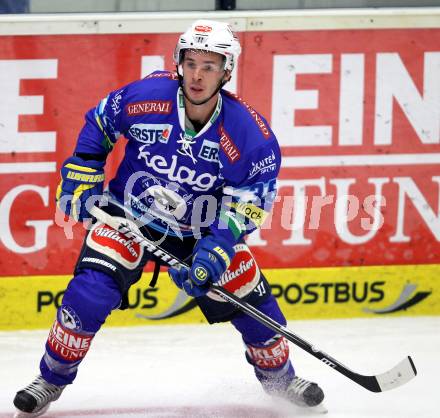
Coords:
222,178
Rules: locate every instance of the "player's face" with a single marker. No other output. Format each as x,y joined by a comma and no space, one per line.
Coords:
202,73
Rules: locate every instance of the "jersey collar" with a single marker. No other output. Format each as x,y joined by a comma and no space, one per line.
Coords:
181,112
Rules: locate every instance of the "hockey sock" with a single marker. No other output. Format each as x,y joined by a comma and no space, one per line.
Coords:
267,351
272,365
89,298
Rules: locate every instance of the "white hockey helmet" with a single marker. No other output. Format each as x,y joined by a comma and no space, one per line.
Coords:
209,35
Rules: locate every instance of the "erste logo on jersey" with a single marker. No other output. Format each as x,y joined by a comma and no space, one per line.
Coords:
242,275
117,246
209,151
150,133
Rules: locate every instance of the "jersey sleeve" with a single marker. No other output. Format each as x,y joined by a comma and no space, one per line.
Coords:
249,193
102,126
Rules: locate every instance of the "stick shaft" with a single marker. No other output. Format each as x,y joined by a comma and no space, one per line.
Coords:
395,377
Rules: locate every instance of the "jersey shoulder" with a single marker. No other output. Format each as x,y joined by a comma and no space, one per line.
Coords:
159,85
249,128
249,150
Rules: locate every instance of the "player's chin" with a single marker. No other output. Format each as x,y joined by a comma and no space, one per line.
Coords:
197,97
198,100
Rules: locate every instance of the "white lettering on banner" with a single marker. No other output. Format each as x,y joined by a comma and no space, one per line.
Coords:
285,101
178,173
12,141
407,187
392,82
22,167
41,227
299,207
12,105
362,160
422,111
151,63
254,238
351,100
346,209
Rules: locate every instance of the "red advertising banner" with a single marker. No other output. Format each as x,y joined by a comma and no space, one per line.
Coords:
356,112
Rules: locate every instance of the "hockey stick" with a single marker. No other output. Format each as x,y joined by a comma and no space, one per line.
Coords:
393,378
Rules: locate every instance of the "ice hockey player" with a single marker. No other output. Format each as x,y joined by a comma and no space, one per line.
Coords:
199,170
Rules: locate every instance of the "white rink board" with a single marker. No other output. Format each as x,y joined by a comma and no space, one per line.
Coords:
162,22
200,371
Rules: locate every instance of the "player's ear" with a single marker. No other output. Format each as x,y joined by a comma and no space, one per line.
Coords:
227,76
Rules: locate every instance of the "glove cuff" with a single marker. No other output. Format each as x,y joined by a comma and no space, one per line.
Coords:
78,161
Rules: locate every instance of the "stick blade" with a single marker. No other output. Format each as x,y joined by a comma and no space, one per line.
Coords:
398,375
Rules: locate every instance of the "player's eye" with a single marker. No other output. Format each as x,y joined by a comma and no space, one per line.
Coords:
206,68
209,68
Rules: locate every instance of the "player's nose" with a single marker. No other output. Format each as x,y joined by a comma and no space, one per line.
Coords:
197,74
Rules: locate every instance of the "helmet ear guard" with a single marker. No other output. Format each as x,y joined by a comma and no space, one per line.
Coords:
180,70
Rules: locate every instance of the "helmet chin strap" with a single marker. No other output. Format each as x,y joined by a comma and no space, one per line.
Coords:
221,83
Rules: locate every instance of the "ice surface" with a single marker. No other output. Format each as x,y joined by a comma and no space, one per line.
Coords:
200,371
